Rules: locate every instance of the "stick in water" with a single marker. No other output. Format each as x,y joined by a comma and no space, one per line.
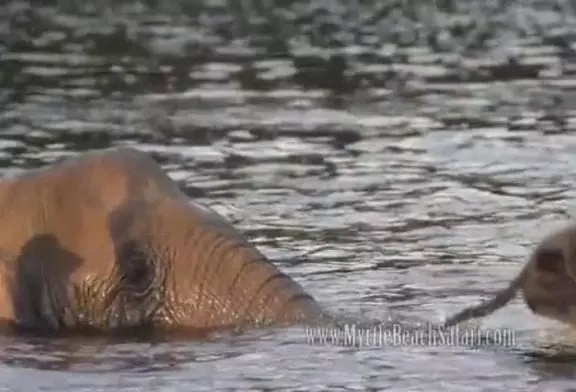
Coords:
486,307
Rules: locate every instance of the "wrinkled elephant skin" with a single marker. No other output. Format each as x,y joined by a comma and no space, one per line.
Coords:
107,241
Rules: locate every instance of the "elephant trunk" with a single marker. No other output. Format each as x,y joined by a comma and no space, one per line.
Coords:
214,278
228,283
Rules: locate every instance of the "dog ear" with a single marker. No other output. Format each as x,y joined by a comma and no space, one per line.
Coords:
549,260
556,253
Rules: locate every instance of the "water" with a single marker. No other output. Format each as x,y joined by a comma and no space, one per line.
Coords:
398,161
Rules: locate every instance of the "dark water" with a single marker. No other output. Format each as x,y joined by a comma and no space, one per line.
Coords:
413,152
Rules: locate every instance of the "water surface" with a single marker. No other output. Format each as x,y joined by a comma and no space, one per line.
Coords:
398,161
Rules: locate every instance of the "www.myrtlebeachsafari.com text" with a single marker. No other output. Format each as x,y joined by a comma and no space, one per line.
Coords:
397,335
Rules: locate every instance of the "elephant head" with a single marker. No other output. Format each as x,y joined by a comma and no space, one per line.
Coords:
107,241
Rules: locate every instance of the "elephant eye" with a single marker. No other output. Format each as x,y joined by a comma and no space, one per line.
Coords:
549,260
135,266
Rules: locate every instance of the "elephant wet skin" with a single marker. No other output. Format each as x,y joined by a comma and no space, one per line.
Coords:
107,241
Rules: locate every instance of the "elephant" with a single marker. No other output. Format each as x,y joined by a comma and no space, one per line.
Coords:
106,241
547,283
